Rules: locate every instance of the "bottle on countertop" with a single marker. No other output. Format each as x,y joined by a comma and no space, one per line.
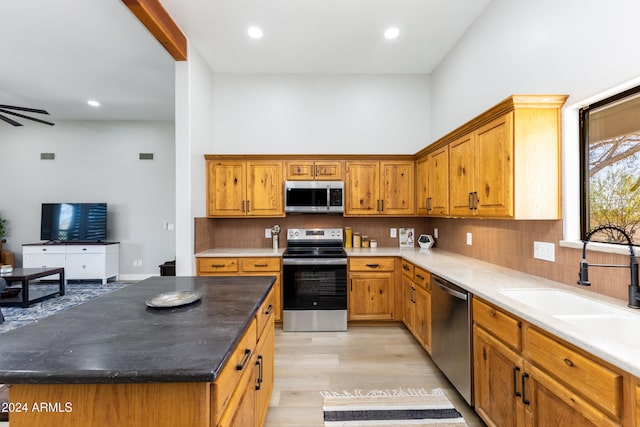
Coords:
348,237
356,240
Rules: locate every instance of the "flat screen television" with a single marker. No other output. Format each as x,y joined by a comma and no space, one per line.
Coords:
83,222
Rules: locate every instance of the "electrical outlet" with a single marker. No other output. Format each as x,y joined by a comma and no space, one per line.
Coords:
267,233
435,233
544,251
469,239
393,233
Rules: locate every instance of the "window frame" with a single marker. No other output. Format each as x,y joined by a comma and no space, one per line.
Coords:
583,115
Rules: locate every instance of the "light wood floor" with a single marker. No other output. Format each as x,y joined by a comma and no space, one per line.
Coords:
365,357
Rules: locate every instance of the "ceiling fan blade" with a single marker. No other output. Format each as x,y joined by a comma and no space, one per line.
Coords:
30,110
8,120
26,117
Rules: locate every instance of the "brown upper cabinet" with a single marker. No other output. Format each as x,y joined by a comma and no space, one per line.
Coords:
432,183
380,187
322,170
506,162
237,188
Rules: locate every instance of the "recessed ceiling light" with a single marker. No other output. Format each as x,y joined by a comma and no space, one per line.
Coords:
391,33
93,103
255,32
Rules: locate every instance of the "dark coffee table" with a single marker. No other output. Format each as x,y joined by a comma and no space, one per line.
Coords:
30,295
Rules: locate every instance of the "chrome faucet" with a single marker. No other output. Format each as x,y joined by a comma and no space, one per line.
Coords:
634,289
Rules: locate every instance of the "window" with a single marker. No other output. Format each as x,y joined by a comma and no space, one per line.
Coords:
610,166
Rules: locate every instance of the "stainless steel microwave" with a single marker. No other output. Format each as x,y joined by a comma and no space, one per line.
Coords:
314,196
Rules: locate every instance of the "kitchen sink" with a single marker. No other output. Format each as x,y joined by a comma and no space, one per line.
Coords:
618,327
559,302
594,317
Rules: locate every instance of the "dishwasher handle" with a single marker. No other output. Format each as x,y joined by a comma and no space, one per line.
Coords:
446,288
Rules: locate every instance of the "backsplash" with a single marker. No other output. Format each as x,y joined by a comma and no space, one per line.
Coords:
510,244
502,242
249,232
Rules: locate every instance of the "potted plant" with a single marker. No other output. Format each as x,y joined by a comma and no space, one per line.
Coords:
3,231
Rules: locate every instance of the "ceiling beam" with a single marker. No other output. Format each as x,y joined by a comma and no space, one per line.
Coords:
161,25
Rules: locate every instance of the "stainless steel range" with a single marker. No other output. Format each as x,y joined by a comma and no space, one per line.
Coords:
314,280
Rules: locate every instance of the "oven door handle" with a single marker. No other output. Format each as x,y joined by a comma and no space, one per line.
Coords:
314,261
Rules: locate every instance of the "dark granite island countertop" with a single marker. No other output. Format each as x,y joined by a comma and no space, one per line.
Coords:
116,338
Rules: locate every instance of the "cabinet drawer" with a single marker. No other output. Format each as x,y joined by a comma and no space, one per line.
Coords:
88,249
230,375
266,311
422,277
500,324
371,264
596,382
407,269
217,265
52,249
260,264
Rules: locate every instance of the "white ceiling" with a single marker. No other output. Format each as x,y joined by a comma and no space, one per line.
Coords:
57,55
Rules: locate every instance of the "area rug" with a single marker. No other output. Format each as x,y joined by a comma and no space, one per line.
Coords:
75,293
390,407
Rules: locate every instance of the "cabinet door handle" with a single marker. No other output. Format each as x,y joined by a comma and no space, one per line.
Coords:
405,267
476,201
268,310
373,265
217,265
516,393
247,355
470,201
382,205
524,398
259,364
429,203
568,362
243,206
248,205
261,265
420,277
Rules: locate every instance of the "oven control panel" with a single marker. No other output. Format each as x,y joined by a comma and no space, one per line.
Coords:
317,234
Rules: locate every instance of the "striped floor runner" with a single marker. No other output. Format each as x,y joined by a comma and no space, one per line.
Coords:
390,407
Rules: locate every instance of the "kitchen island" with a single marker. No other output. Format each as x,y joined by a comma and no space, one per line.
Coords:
115,361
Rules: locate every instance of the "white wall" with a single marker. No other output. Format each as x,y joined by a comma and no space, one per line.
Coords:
194,137
95,162
574,47
320,114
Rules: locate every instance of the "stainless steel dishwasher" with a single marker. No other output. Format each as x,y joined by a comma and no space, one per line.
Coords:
451,334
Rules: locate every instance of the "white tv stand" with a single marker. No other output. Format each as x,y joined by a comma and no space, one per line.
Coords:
88,261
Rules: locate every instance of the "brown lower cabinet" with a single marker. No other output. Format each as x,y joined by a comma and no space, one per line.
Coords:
242,392
416,303
525,377
249,266
371,288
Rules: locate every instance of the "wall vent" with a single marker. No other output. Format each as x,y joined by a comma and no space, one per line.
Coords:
47,156
145,156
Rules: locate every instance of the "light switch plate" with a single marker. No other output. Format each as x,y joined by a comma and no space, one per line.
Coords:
267,233
469,239
435,233
545,251
393,233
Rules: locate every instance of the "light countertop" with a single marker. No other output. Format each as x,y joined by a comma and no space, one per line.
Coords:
485,280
